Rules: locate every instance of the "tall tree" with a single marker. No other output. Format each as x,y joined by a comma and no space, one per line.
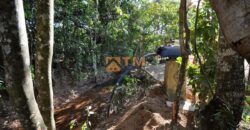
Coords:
234,20
15,49
225,109
44,52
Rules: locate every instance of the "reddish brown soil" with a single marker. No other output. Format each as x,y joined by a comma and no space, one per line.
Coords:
76,109
144,112
149,113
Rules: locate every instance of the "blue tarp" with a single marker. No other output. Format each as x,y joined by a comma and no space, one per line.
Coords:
170,51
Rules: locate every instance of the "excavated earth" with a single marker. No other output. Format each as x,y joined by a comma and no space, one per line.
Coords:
145,111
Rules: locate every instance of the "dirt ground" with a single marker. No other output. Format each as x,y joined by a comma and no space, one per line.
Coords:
143,113
146,110
149,113
70,103
76,109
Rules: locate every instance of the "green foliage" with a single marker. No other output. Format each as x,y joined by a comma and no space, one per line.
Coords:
246,117
248,99
72,124
87,124
87,31
110,28
125,91
207,41
198,82
248,88
32,69
179,60
130,81
193,72
246,112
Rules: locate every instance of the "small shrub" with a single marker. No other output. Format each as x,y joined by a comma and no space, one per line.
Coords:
86,125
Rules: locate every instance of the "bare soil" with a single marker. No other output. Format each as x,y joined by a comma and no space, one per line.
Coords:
147,110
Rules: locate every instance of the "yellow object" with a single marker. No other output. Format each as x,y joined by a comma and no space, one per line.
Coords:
171,79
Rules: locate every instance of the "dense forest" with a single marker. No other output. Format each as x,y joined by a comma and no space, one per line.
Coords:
124,64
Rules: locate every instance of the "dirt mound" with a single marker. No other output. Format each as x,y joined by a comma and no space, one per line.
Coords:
150,113
147,115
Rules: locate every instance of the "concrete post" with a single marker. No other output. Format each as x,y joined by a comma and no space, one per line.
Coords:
171,79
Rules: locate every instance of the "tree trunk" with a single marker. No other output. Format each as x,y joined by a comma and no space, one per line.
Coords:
43,79
184,34
18,79
94,59
225,109
234,19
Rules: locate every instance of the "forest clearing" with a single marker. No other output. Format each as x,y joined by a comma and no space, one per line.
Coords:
124,65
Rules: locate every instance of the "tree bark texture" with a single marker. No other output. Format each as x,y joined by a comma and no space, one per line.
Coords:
225,109
14,42
44,52
184,34
234,19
